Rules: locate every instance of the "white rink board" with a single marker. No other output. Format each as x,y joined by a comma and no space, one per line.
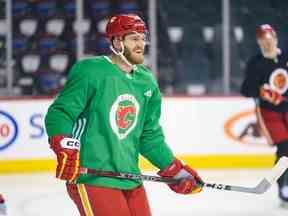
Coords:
31,140
192,126
197,125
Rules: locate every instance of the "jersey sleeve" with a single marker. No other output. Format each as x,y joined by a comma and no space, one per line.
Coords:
152,143
71,101
252,81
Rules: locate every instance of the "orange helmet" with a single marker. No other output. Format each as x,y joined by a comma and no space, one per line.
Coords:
264,31
122,24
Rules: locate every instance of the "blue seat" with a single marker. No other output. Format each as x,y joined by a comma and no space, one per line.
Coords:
47,44
20,8
49,82
46,8
69,8
100,8
128,7
102,46
19,44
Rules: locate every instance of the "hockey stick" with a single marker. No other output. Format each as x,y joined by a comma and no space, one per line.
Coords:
128,176
279,168
262,187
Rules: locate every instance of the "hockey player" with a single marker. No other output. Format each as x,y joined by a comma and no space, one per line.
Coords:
106,115
2,206
267,81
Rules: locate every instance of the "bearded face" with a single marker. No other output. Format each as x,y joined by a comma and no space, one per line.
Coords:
134,46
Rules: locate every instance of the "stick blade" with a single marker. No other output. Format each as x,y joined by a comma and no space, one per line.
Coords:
278,170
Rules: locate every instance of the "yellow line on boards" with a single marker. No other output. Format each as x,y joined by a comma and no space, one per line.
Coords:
27,165
222,161
197,161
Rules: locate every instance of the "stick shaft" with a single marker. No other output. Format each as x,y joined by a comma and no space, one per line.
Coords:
262,187
128,176
166,180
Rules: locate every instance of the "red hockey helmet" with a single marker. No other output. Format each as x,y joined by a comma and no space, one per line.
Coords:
265,30
122,24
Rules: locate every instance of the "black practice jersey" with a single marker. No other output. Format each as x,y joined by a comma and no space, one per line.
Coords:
260,71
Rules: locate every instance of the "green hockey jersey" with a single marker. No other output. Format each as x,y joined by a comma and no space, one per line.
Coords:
115,115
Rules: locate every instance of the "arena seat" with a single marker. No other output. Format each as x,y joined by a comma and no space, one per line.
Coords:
55,26
59,62
20,8
45,8
127,6
30,63
28,27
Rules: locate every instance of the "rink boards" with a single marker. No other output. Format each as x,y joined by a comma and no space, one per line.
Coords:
206,132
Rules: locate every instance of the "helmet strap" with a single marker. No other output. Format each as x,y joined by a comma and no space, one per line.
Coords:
121,54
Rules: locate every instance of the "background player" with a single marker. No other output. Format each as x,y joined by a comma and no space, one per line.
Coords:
107,114
267,81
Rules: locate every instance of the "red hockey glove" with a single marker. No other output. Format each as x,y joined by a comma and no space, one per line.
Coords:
67,152
189,180
2,206
270,95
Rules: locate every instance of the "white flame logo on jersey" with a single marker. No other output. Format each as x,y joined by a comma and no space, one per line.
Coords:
279,80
